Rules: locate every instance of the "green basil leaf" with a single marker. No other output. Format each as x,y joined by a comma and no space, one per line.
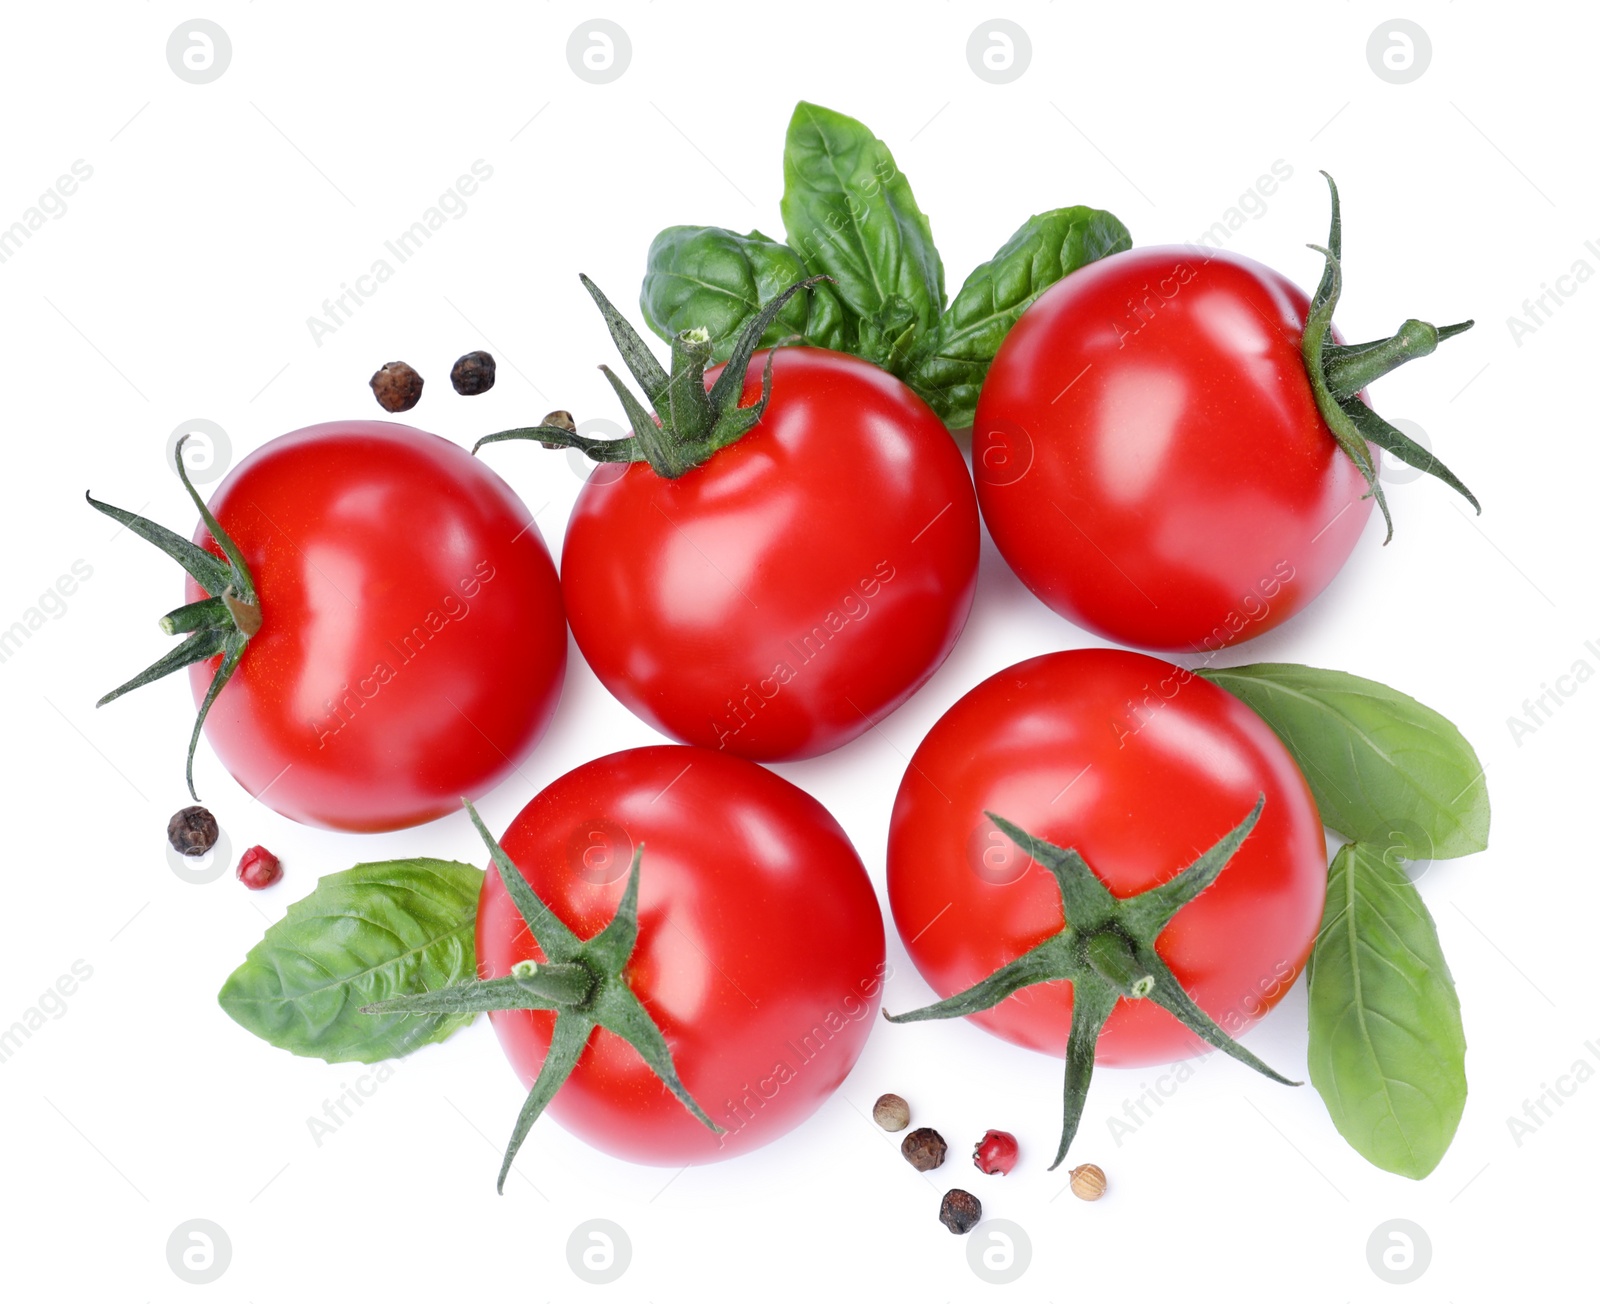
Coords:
951,361
849,212
1385,770
709,277
1387,1052
364,935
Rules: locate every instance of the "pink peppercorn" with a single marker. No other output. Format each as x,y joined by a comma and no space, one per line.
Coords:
259,868
996,1153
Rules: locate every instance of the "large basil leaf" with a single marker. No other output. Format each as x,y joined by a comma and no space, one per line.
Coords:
1387,1052
363,935
710,277
950,362
849,212
1385,770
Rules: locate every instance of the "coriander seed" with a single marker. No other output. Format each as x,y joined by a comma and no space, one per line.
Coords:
1088,1181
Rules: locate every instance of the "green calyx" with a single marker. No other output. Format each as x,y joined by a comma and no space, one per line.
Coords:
582,981
1106,950
221,624
689,423
1338,372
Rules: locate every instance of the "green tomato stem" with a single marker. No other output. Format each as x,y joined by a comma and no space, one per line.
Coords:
1106,949
1113,957
221,624
584,982
566,985
1338,372
1350,368
689,425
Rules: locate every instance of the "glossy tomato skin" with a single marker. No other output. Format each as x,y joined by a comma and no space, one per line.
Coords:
412,644
1149,456
760,950
1139,766
782,597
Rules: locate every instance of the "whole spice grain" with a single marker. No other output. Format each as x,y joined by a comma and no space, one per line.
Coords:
561,419
259,868
924,1149
891,1112
192,831
1088,1181
396,386
996,1153
473,373
960,1211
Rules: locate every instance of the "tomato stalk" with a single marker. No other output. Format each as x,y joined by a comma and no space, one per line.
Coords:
583,982
1106,950
1338,372
689,423
219,625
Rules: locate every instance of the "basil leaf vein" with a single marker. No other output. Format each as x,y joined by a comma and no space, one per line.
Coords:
365,934
1386,771
1387,1051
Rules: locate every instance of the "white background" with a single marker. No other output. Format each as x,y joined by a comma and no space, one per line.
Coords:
178,284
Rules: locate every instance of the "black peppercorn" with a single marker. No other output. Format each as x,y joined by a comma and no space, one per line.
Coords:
473,373
960,1211
192,831
924,1149
396,386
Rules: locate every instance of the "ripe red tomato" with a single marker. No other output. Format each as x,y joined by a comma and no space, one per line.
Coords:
782,597
1149,455
1139,766
412,643
760,952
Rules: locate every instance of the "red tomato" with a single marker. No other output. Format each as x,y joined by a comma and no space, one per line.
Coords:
760,951
1139,766
1149,456
412,644
794,589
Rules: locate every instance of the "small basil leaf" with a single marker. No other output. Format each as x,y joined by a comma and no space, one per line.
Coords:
715,279
364,935
1387,1052
951,361
1385,770
849,212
